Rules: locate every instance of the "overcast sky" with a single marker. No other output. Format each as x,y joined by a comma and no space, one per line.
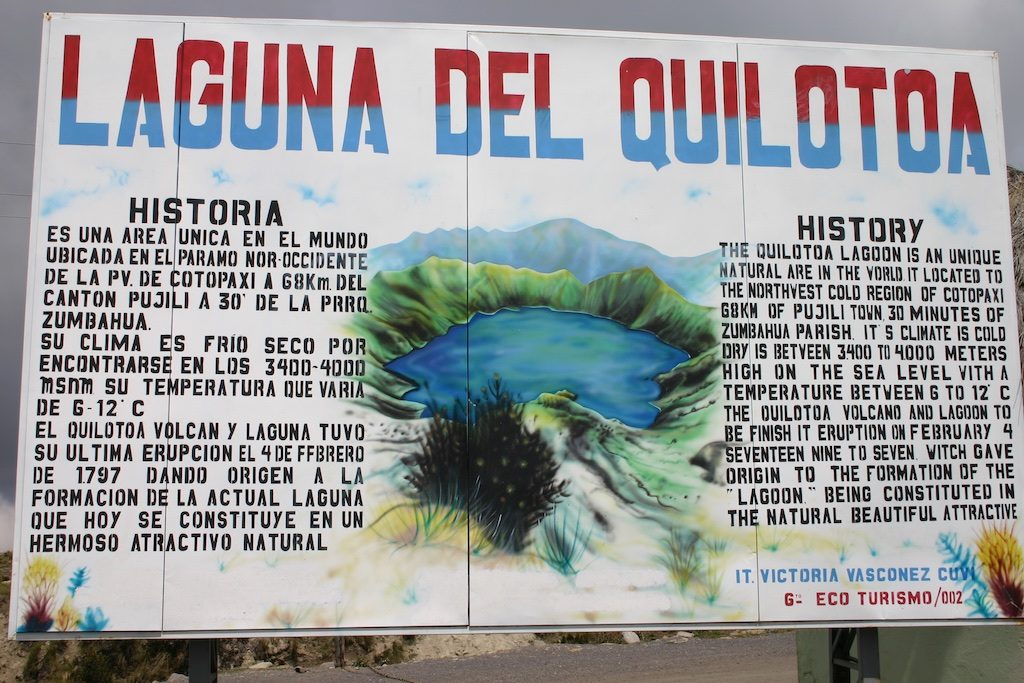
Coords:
967,24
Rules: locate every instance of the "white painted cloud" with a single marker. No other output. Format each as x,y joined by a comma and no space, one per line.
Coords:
317,196
109,179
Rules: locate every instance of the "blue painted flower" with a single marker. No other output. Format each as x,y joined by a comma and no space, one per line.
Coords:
78,579
94,620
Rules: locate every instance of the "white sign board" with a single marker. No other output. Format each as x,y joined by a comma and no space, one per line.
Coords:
411,328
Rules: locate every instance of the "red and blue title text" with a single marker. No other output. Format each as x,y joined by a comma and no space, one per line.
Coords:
298,105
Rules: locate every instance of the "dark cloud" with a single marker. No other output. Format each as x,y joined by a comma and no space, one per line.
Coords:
6,524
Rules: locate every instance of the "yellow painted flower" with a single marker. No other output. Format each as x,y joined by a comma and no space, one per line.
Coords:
41,573
67,616
39,594
1002,560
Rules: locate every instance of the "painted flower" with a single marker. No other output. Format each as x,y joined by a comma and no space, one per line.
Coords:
39,586
67,616
1002,560
78,579
94,620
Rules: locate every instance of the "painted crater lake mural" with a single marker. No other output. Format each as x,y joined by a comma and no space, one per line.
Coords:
608,367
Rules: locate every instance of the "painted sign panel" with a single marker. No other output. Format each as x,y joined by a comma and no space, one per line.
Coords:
363,327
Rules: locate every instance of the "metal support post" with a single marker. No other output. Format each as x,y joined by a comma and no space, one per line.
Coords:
339,652
202,661
842,662
867,653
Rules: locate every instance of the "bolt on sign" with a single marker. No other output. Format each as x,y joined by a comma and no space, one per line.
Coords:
347,327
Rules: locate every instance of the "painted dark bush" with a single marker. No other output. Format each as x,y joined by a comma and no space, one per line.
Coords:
485,461
438,470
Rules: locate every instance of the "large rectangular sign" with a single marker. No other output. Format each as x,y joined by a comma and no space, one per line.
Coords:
337,326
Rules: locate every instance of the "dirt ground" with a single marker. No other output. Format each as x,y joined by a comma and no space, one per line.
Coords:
12,654
764,657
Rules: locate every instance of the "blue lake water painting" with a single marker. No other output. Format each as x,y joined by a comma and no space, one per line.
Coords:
608,366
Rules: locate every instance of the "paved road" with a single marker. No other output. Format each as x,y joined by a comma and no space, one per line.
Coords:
768,658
